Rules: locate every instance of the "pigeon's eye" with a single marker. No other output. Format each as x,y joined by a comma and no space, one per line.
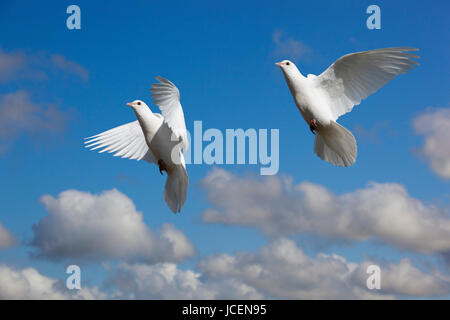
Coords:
138,103
287,63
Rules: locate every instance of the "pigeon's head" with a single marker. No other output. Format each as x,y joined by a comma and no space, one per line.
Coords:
285,64
137,104
288,67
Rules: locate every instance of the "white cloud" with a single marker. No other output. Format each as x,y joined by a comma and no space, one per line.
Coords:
19,65
375,133
405,279
167,281
18,115
10,65
286,47
283,270
70,67
6,238
81,225
381,211
434,125
278,270
28,283
129,281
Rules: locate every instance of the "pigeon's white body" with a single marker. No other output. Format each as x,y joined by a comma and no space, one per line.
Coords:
323,99
309,101
157,135
155,138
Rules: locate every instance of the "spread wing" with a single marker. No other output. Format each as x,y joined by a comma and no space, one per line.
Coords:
167,98
355,76
126,141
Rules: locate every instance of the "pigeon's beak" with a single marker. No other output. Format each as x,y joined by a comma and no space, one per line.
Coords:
278,64
129,104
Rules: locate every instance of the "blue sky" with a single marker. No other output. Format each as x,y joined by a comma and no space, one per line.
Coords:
221,57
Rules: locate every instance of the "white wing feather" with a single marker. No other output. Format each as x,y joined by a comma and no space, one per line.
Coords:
355,76
167,98
126,141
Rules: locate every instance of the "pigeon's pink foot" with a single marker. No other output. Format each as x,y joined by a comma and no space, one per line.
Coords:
313,126
162,166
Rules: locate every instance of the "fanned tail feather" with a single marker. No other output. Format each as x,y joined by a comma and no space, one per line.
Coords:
176,188
336,145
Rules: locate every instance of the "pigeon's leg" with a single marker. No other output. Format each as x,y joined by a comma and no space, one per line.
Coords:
313,126
162,166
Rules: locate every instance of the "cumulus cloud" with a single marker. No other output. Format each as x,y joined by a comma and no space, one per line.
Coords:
167,281
384,212
286,47
28,283
278,270
81,225
18,115
434,125
6,238
283,270
128,281
405,279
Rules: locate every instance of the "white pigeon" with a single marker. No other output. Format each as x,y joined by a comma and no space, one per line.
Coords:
323,99
154,137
